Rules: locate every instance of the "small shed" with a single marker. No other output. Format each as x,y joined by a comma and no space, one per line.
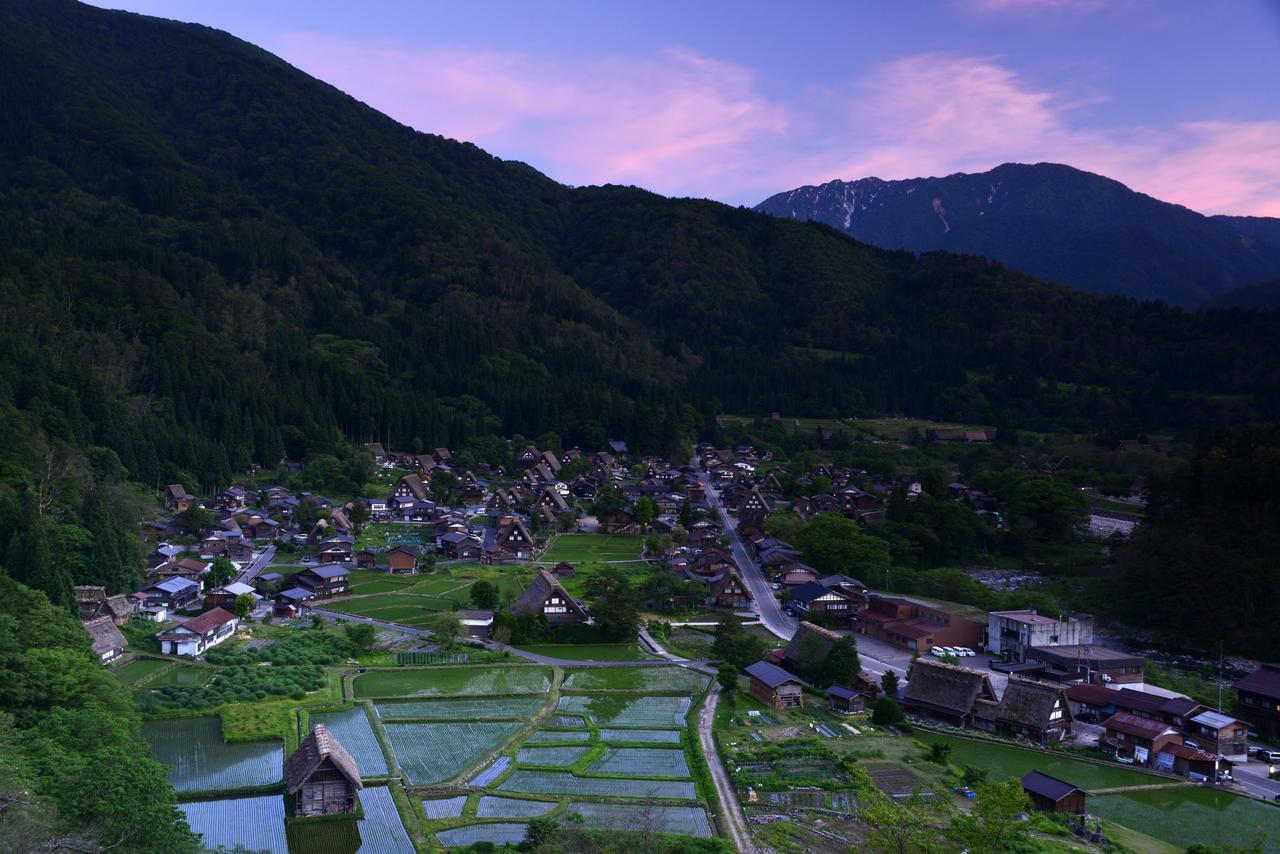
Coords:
1050,794
844,700
321,776
775,687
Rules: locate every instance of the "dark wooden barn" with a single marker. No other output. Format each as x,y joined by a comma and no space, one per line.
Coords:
321,776
1053,795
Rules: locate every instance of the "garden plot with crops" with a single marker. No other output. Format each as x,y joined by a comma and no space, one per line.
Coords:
434,808
434,752
545,736
492,806
640,762
201,761
466,709
552,756
454,682
355,733
639,680
690,821
564,783
254,824
641,736
619,711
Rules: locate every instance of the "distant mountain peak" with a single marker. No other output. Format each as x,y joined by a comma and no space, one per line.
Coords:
1054,221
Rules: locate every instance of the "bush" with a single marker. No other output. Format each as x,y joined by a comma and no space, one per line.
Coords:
886,712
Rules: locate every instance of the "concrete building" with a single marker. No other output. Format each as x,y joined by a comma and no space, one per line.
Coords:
1011,633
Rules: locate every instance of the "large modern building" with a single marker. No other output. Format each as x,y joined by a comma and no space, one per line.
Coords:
1011,633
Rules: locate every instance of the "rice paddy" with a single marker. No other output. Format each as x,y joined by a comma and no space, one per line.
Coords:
434,808
690,821
506,833
435,752
454,681
254,824
554,756
1008,761
492,806
640,762
1186,816
201,761
594,548
646,736
545,736
637,679
563,783
591,652
618,711
381,828
466,708
355,733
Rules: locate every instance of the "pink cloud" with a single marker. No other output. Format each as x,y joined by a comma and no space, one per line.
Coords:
676,122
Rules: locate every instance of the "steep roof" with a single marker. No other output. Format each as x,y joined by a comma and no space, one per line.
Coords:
810,646
104,634
947,687
1038,783
544,584
318,746
1029,703
771,674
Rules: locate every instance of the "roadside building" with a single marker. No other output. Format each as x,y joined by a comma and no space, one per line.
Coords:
1011,633
198,634
1137,740
1088,664
1259,705
948,692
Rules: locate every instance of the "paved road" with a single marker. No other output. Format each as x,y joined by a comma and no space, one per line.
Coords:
703,664
771,614
734,820
1253,776
259,563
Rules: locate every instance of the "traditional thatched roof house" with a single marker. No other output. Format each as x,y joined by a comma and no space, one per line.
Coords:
93,602
108,643
1033,710
809,648
948,692
547,597
321,776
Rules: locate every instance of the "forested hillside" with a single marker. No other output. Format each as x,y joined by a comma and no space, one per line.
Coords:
208,259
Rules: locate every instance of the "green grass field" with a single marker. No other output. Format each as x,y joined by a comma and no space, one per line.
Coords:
454,682
1005,762
591,652
139,668
581,548
636,679
1186,816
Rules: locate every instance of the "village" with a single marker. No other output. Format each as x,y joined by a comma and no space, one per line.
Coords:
578,576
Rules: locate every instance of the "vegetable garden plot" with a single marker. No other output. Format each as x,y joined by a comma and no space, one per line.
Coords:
462,708
641,762
563,783
566,722
202,761
355,733
556,756
492,806
629,711
434,752
493,772
381,828
649,736
444,807
454,682
499,834
636,679
255,824
548,736
690,821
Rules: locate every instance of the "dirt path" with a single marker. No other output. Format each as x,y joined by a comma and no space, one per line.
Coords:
734,820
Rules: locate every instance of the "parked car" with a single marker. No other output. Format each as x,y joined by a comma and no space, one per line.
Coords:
938,651
1266,754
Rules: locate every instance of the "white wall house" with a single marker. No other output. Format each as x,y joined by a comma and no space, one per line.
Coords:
198,634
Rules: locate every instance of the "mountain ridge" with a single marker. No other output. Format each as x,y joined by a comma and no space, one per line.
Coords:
1052,221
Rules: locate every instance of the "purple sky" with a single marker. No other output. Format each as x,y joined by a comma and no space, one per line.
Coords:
739,100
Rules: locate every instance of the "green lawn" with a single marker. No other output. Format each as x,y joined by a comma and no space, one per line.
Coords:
591,652
1008,761
578,548
139,668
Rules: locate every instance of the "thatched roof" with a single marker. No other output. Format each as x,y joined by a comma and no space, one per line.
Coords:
809,647
88,593
536,594
105,635
1030,703
318,746
947,687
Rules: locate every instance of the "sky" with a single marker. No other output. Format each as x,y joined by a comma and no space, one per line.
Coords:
738,100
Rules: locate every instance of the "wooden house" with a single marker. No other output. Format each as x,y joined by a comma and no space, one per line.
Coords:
226,596
809,647
366,559
106,641
410,486
1188,761
844,700
754,510
1137,739
731,592
172,594
514,540
177,499
545,596
1049,794
1218,733
564,569
1259,705
402,560
917,627
1037,711
815,599
322,777
93,602
476,623
329,579
947,692
196,635
775,687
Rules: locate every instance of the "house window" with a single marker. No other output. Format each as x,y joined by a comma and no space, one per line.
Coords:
554,609
1055,715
